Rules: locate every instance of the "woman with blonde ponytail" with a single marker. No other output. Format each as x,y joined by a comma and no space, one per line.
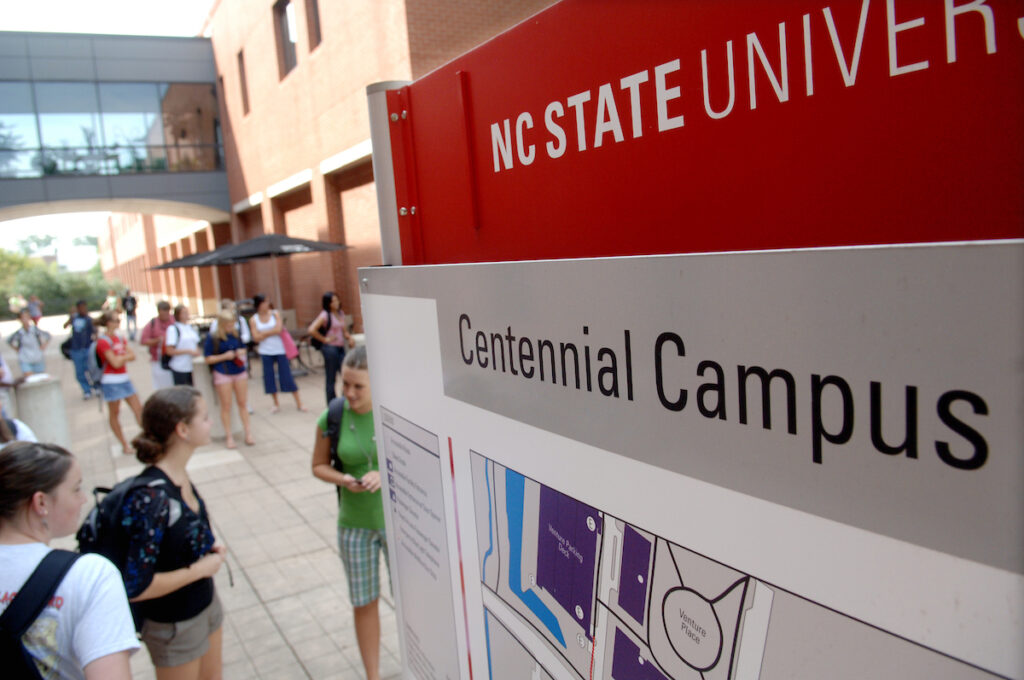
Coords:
172,555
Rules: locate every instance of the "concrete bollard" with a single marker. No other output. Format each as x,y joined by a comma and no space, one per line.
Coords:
40,405
202,379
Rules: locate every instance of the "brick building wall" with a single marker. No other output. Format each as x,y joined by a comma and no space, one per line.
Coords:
283,132
440,30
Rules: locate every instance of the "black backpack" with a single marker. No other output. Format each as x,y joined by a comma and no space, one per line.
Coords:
25,608
101,532
324,330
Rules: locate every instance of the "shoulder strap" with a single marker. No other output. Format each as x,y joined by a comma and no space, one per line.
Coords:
335,413
28,604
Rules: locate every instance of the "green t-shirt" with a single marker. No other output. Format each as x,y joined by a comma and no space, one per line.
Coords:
357,449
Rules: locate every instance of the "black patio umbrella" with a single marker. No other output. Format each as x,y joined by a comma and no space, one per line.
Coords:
267,245
194,260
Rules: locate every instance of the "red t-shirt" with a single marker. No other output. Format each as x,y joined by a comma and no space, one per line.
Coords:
106,343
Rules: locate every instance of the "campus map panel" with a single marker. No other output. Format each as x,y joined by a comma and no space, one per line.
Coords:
573,592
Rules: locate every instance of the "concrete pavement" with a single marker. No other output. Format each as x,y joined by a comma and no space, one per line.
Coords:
288,614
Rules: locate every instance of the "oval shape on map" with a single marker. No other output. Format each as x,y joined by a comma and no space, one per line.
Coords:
693,628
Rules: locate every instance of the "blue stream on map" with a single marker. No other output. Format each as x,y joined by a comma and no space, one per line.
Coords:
490,525
490,547
515,487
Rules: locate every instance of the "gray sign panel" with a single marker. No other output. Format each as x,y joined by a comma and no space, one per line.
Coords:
878,387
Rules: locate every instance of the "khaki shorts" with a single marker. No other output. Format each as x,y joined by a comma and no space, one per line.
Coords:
174,644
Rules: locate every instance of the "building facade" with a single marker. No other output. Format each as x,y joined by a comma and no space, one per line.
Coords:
291,87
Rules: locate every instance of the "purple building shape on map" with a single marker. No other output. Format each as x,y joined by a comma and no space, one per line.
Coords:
566,553
636,559
627,663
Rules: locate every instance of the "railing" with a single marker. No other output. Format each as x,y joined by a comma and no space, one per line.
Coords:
110,160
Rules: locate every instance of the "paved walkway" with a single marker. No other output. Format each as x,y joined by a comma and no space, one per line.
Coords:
287,615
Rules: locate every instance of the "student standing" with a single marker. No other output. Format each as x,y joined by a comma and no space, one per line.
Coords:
91,634
331,329
115,353
153,334
31,342
129,304
226,354
7,381
35,308
266,330
361,536
82,333
181,342
172,554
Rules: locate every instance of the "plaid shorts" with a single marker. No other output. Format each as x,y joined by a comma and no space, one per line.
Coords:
360,553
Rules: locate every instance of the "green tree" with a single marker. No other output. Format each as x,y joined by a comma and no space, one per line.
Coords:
10,265
57,289
86,241
33,244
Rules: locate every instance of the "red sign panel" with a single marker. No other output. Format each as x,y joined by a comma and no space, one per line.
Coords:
637,127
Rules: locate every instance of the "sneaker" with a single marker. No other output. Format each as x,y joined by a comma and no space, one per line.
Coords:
86,397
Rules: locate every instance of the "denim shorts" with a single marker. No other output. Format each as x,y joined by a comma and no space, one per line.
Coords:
174,644
32,366
117,391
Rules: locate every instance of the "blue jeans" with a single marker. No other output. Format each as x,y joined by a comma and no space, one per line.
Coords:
333,356
80,358
131,325
283,370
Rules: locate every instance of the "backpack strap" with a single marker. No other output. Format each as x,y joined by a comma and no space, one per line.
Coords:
37,591
335,413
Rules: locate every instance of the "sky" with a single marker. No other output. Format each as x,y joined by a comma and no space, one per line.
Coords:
124,17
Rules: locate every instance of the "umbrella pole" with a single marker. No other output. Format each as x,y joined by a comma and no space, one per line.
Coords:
277,283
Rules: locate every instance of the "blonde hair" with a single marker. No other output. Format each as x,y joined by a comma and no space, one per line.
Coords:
225,325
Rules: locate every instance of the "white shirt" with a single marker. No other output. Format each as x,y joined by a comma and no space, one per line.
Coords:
272,345
181,336
87,619
22,433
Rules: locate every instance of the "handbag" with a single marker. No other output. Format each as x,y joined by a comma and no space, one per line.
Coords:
290,350
165,359
65,348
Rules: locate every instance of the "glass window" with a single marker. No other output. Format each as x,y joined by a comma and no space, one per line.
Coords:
313,23
107,128
131,113
70,130
287,36
243,84
190,121
19,136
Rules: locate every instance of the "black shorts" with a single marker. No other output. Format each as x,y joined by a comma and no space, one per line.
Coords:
182,378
